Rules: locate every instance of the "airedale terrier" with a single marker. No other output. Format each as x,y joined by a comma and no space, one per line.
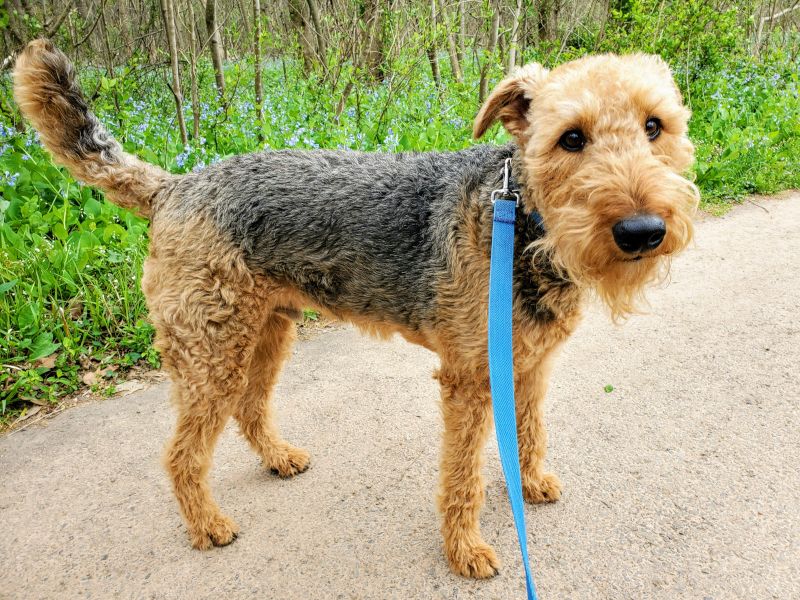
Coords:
395,243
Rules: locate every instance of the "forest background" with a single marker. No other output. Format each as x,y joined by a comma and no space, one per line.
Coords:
185,83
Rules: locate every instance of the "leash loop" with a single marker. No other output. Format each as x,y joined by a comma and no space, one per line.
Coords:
501,357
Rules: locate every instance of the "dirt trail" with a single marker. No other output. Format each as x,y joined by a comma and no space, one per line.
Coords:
681,483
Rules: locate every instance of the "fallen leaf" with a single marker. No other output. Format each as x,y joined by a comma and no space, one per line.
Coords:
75,309
28,414
108,370
89,378
48,361
129,387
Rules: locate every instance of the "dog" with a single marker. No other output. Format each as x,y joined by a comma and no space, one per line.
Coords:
394,243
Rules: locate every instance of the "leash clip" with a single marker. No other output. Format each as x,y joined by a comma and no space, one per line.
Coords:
505,193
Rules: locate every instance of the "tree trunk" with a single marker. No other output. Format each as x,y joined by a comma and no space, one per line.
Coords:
168,12
452,48
548,18
433,49
244,24
257,60
300,25
373,42
601,28
461,32
215,45
432,58
489,60
109,60
512,46
343,100
193,73
322,49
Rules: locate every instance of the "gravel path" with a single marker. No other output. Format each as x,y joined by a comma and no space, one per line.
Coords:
681,483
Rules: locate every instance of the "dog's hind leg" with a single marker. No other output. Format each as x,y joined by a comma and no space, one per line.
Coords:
207,309
253,411
202,415
207,353
466,406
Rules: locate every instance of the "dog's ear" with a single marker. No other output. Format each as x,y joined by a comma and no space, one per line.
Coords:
510,101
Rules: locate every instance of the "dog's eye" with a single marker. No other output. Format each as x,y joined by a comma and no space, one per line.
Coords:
652,128
572,141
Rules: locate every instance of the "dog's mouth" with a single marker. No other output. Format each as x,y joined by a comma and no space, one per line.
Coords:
639,257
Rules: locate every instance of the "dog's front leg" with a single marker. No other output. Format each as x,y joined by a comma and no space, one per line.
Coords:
466,407
531,387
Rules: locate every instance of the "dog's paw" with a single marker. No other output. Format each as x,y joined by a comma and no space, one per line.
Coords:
220,531
476,560
546,489
287,460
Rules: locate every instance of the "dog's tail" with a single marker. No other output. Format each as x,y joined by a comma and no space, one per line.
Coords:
48,94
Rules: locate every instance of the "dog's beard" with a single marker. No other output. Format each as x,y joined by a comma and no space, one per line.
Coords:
582,250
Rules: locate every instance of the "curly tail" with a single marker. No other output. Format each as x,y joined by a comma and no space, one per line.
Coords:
48,94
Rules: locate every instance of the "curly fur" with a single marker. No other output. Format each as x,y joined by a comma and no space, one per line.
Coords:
394,244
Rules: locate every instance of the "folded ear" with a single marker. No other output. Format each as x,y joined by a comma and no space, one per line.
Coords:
510,101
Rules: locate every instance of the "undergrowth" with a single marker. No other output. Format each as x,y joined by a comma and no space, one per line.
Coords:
70,263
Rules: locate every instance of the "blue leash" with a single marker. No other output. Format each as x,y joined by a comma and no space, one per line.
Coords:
501,357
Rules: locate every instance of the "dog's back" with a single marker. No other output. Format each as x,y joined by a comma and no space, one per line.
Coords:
360,232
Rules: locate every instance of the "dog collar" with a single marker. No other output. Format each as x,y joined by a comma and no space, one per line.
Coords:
510,191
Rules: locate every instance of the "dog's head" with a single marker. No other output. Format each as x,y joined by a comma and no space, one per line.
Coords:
604,149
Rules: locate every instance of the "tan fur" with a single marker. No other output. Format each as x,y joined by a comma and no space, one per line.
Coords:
225,331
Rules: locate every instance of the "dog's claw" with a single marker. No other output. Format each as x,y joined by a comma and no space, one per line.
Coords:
223,543
289,461
222,531
477,561
547,489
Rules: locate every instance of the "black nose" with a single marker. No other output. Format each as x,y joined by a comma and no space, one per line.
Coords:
639,233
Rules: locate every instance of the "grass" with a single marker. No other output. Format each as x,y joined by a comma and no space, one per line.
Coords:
70,262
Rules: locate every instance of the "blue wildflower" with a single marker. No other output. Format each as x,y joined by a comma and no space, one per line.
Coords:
11,179
180,160
33,139
392,139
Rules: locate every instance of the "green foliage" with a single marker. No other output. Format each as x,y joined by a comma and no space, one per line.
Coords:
694,35
69,270
70,262
310,315
747,132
